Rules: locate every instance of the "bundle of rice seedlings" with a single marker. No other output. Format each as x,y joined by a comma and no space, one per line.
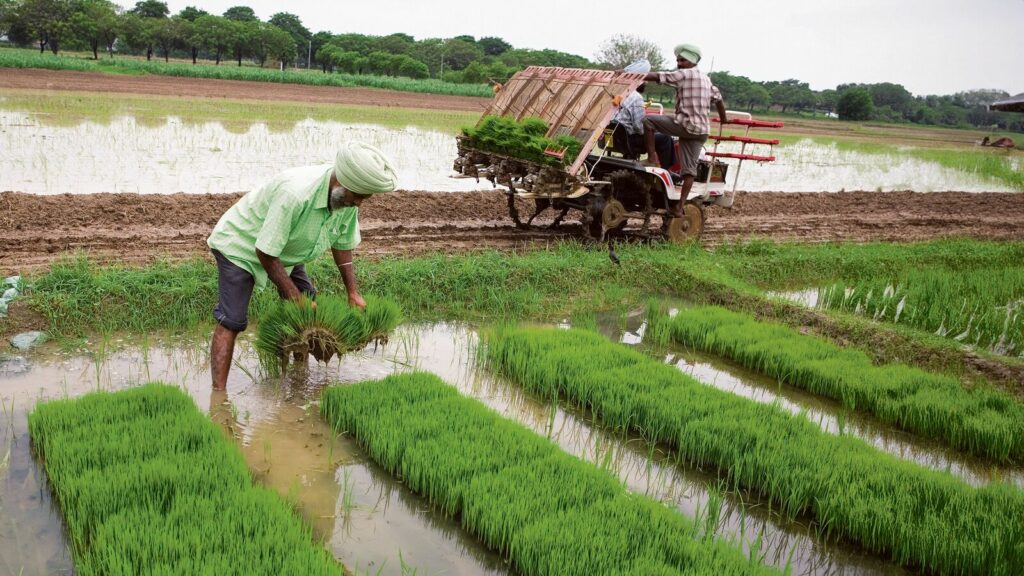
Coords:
329,329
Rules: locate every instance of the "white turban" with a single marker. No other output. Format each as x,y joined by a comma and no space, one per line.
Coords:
364,169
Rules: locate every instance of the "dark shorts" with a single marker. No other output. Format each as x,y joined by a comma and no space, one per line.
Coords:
690,145
234,288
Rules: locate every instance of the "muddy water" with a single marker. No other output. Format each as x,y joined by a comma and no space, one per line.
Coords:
369,521
808,166
125,155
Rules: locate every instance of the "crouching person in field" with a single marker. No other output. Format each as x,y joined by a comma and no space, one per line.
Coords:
292,219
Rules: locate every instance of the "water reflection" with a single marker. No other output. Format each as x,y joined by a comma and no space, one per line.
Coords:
169,155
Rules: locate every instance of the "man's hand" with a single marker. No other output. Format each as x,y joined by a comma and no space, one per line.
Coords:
354,299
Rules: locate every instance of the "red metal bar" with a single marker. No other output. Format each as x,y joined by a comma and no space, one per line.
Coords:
752,123
741,156
746,139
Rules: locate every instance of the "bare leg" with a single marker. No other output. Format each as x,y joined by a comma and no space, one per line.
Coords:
684,191
222,348
652,154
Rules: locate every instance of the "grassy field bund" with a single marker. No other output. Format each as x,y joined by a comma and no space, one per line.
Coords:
549,512
76,298
19,58
149,485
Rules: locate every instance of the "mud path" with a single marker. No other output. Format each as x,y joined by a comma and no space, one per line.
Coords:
233,89
138,229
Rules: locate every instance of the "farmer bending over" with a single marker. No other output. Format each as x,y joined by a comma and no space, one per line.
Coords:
270,232
694,95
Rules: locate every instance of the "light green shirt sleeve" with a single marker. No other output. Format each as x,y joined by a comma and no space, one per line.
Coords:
348,231
279,222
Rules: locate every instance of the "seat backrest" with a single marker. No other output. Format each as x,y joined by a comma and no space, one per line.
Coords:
621,142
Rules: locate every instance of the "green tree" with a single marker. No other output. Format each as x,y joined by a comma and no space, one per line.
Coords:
412,68
827,100
8,15
622,50
319,39
95,23
242,35
269,41
150,9
396,43
457,53
214,33
241,14
855,104
45,22
493,46
301,36
169,33
892,95
190,13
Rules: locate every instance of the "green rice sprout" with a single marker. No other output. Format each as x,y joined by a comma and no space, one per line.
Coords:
982,307
981,420
149,485
330,328
546,511
916,517
523,139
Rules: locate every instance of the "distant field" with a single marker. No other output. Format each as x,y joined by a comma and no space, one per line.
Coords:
228,70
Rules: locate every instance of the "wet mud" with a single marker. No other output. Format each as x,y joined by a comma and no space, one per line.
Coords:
138,229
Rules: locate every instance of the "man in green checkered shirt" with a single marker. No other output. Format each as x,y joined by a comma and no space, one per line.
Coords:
292,219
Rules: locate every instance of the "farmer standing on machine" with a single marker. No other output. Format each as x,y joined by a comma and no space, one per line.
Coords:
292,219
691,124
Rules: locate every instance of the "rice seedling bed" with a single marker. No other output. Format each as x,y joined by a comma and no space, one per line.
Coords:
981,307
325,329
982,421
916,517
518,492
148,485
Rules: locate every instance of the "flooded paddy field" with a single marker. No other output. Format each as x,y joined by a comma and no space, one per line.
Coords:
367,519
63,147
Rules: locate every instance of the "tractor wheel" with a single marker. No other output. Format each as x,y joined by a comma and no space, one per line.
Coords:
689,227
613,215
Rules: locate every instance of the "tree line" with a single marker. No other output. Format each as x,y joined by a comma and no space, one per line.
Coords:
238,34
884,101
149,29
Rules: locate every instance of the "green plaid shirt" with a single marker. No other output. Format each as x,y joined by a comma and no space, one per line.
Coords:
288,218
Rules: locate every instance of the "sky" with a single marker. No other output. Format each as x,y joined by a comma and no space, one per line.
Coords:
928,46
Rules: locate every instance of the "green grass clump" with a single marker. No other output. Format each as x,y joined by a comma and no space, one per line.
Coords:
983,307
148,485
917,517
547,511
523,139
982,421
14,58
329,328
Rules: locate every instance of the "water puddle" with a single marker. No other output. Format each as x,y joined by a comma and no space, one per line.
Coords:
829,415
126,155
808,166
367,519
